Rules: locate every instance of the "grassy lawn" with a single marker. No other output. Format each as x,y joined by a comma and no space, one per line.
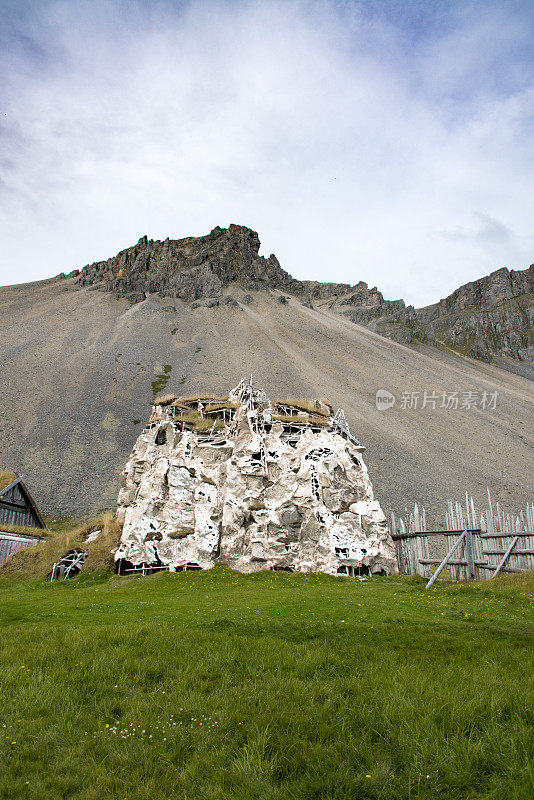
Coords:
217,685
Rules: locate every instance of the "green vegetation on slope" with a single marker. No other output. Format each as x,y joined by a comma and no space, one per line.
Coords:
160,381
6,477
221,685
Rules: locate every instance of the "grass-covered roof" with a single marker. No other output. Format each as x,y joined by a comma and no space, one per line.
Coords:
6,477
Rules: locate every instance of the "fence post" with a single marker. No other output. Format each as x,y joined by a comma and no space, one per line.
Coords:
469,554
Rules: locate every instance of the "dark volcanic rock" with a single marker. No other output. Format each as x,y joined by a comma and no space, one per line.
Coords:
492,316
191,268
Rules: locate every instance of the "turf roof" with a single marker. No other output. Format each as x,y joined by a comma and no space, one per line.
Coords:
6,477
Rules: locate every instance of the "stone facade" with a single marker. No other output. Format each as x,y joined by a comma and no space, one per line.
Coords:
253,484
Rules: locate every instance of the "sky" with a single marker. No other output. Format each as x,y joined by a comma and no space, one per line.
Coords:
389,142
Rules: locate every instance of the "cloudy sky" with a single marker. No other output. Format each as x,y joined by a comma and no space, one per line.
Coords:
385,141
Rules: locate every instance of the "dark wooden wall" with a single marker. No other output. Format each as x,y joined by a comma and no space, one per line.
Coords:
10,542
16,510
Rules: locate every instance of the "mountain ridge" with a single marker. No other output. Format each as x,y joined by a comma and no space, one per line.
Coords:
489,317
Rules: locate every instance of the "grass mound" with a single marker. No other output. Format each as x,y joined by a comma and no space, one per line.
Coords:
37,561
28,530
275,686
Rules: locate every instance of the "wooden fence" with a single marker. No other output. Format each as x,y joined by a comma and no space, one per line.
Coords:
470,554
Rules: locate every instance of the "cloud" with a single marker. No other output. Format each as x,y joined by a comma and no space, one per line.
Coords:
486,230
350,135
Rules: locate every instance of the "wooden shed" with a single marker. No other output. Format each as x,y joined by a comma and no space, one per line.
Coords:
17,508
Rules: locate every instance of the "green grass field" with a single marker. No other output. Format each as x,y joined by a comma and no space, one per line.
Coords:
218,686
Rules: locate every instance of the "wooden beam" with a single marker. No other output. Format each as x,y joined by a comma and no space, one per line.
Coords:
462,562
446,559
505,556
11,506
506,569
430,533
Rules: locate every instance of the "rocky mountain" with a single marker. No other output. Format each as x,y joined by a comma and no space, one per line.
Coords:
492,317
487,318
80,368
191,268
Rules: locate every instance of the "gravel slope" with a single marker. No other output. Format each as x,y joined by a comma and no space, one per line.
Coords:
77,367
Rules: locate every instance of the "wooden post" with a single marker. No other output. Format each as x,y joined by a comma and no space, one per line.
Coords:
425,555
446,559
454,571
469,555
505,556
478,555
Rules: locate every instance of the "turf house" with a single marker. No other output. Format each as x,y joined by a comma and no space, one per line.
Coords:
253,483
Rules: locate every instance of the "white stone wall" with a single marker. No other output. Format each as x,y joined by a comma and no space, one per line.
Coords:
252,500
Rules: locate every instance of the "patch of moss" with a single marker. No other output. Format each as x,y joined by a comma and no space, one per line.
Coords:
199,423
181,533
165,399
160,381
41,532
208,398
159,384
219,406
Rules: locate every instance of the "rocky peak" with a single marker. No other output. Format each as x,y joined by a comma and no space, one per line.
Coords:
493,289
492,316
488,317
189,268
